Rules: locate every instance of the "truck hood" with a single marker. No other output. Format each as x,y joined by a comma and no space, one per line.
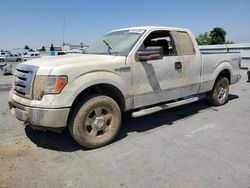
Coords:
78,63
64,60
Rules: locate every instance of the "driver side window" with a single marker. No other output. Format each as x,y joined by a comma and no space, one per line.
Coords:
163,39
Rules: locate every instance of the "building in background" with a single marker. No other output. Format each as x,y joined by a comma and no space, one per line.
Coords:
64,49
18,50
73,48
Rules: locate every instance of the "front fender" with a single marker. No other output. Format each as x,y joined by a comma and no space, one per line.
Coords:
82,82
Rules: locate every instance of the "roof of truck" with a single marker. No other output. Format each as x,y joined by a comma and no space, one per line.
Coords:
152,28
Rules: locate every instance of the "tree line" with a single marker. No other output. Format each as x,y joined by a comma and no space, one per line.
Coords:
43,49
216,36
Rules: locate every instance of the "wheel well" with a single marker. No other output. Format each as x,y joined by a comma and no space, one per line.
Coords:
225,73
103,89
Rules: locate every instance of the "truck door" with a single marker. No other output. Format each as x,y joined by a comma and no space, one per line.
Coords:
190,63
156,81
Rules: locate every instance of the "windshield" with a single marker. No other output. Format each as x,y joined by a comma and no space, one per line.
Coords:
115,43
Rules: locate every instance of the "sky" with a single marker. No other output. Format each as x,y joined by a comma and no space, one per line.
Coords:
38,23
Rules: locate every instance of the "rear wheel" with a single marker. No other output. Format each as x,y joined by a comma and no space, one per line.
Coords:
219,95
1,60
95,121
18,60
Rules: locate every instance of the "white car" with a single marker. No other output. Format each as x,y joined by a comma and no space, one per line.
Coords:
3,56
13,57
30,55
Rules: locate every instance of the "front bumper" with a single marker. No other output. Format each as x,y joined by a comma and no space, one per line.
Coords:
44,117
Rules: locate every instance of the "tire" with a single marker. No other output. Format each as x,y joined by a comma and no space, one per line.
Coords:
18,60
95,121
219,95
1,60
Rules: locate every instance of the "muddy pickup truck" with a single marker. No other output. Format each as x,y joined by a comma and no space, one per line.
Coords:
141,70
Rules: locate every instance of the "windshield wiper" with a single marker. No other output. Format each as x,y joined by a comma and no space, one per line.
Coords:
109,47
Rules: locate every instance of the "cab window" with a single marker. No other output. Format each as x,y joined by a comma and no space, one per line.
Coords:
160,38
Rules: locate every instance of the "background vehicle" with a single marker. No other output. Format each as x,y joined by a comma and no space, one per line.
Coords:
30,55
3,56
6,69
142,69
248,74
13,57
2,59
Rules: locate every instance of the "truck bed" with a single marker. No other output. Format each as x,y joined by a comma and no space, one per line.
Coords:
218,61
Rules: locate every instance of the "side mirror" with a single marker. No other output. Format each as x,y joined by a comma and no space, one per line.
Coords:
150,53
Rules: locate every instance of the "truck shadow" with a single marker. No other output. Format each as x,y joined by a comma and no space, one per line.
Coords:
64,142
53,141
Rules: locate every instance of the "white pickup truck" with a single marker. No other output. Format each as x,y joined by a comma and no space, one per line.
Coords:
141,69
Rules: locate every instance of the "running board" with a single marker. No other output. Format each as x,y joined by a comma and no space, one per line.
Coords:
164,107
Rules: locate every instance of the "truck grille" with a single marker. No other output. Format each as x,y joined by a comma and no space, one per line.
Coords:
23,81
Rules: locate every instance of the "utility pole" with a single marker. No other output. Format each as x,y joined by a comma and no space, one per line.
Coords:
63,31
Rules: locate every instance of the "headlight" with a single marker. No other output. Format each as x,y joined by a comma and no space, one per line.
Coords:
48,85
56,84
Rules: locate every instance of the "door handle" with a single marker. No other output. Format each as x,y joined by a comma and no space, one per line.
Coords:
178,65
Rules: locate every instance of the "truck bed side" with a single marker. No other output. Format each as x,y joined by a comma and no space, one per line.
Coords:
214,63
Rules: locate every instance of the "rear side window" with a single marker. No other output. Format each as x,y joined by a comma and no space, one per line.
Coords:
184,43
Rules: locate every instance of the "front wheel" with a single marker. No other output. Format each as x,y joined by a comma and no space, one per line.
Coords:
95,121
219,95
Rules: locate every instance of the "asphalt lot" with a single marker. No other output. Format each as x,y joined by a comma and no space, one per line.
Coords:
196,145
